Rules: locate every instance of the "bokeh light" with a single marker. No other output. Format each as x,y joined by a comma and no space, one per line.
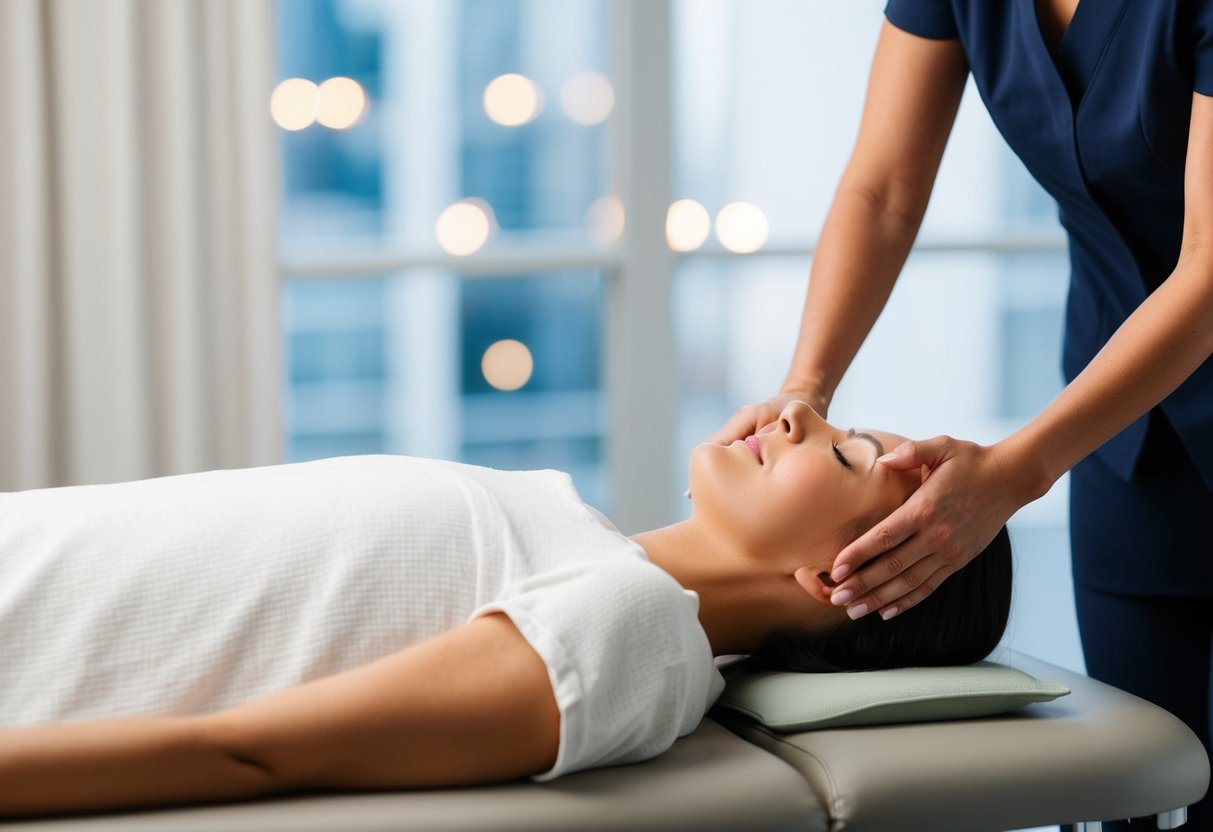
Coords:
687,225
507,365
742,227
464,228
342,102
588,98
294,103
512,100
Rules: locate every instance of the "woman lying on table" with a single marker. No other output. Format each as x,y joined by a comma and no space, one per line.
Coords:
389,622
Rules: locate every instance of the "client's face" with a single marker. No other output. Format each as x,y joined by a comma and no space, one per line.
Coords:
798,485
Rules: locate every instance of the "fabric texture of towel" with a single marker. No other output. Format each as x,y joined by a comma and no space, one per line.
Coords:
194,593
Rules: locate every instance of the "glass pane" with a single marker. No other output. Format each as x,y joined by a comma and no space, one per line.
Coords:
924,369
337,367
504,372
768,98
504,101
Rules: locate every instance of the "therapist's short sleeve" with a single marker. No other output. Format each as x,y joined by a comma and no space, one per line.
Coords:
1202,37
630,666
925,18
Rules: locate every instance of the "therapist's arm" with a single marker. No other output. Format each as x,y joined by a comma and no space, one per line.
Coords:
972,489
472,705
914,90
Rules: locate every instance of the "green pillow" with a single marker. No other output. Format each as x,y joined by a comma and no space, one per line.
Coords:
803,701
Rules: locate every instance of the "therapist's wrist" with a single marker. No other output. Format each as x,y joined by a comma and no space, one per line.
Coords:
1027,469
815,392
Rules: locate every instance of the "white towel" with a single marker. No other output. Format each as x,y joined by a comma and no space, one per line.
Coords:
195,593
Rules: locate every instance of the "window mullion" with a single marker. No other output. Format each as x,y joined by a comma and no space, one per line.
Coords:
640,371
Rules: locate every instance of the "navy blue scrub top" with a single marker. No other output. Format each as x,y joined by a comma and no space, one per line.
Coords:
1103,126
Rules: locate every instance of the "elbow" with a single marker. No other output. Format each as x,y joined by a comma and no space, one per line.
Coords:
1194,272
898,202
1195,251
246,774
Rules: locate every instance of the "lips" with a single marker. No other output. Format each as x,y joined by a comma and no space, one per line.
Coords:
753,444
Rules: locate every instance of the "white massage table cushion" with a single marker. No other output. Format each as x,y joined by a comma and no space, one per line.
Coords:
802,701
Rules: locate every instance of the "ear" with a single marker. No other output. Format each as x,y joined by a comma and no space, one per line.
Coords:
816,582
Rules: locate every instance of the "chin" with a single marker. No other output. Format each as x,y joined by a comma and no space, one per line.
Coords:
703,469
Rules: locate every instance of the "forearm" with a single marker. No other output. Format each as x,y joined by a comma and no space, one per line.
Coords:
117,764
1151,354
864,243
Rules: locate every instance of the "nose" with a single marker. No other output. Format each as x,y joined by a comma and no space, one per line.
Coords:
797,420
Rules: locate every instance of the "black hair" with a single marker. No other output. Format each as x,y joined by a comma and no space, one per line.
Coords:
959,623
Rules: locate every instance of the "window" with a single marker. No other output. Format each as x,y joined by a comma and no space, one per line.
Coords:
546,126
394,361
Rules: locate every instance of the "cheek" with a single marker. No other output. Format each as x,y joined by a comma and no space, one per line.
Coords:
806,485
804,500
787,506
724,488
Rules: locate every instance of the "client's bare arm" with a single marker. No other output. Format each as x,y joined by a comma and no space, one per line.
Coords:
472,705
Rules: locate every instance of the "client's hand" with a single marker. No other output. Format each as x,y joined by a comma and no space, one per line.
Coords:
967,496
749,418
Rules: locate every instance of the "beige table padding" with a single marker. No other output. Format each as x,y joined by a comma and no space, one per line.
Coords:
709,780
1095,755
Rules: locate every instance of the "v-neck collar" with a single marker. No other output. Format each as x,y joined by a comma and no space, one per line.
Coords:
1079,52
1070,25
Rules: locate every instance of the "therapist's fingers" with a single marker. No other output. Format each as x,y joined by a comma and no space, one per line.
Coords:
905,589
964,501
913,453
928,585
747,419
744,421
920,512
876,541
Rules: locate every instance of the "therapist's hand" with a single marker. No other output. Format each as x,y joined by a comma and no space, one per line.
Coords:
969,492
749,418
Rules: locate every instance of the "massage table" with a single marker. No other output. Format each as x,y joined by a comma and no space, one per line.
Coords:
1098,754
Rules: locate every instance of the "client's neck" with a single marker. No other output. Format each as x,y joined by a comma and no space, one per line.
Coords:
742,597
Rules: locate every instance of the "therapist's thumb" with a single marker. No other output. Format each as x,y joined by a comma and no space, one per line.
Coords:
915,453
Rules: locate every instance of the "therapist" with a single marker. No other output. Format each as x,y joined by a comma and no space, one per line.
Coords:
1107,102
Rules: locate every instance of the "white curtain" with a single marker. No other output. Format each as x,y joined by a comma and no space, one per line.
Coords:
139,330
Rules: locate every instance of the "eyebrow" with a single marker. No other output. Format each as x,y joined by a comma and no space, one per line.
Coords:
851,434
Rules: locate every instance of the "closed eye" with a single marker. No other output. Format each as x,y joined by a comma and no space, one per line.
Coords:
838,453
